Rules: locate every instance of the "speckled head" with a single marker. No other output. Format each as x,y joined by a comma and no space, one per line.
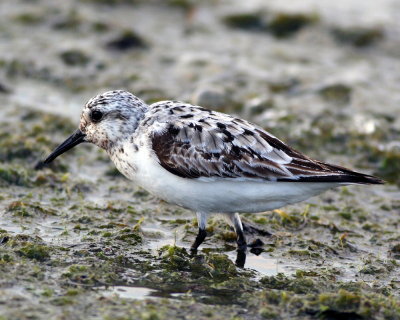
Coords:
110,117
106,120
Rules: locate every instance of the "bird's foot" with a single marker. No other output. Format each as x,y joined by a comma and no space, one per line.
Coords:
199,240
256,243
240,258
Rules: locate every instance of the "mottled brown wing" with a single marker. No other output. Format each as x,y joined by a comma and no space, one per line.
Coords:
240,150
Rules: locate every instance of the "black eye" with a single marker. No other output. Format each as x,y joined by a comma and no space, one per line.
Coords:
96,115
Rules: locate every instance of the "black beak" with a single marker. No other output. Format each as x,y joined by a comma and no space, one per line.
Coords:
76,138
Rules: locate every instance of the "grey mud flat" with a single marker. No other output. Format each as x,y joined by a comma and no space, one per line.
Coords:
79,241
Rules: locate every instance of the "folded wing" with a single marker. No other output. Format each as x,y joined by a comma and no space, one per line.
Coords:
218,146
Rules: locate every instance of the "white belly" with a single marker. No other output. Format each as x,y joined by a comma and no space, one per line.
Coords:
220,196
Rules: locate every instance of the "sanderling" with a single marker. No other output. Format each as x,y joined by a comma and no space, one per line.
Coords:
203,160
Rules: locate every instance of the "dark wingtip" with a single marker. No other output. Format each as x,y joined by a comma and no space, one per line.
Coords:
346,178
357,177
373,180
344,175
365,179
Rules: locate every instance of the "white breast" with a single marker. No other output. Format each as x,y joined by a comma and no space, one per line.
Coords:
222,196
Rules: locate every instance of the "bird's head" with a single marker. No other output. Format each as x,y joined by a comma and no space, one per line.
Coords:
106,119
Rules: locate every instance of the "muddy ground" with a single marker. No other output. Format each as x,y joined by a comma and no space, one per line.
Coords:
79,241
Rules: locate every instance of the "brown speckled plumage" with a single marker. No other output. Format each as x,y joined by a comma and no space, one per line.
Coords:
198,143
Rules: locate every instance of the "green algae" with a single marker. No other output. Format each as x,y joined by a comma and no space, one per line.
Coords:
113,2
127,40
175,258
283,25
74,57
11,175
210,268
35,251
358,36
129,237
70,21
304,296
389,165
29,209
247,21
338,93
29,18
29,141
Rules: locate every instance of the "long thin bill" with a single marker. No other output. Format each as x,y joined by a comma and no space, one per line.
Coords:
76,138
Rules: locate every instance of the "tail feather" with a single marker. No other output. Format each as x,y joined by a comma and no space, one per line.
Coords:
338,174
355,177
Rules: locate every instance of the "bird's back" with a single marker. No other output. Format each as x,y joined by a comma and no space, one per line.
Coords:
196,143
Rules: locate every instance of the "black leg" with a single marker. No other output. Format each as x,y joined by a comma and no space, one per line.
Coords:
199,239
240,258
241,247
237,224
241,240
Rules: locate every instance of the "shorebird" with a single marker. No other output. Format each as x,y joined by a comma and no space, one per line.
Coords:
203,160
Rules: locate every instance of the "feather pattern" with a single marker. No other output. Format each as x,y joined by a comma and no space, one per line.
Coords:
198,143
